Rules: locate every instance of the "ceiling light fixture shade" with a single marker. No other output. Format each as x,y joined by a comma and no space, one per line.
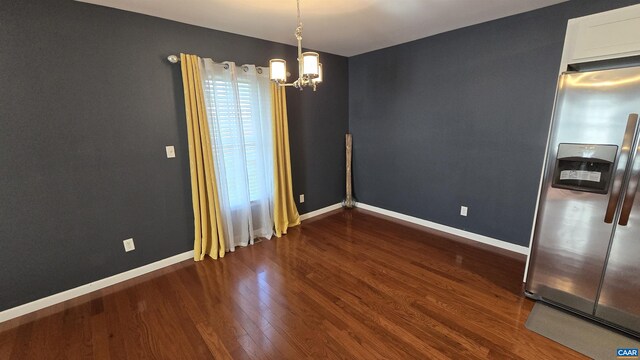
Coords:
318,79
278,70
309,67
310,61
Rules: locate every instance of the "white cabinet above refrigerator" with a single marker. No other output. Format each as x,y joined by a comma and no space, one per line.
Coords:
603,36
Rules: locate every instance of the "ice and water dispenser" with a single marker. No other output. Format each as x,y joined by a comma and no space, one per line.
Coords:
584,167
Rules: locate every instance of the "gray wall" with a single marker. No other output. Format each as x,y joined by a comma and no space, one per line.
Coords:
87,104
461,118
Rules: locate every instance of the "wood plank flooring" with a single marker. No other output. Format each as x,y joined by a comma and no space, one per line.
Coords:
349,285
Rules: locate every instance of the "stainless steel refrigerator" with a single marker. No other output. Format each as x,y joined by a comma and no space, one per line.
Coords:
586,247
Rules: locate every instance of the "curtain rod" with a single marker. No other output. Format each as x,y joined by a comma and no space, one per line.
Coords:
174,59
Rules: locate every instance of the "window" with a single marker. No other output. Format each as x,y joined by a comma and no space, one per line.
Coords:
239,118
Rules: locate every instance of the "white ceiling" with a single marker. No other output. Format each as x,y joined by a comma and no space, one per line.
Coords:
343,27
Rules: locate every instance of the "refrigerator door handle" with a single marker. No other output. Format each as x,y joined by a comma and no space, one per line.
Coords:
632,188
628,200
627,143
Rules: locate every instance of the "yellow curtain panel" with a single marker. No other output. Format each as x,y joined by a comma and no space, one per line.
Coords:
285,213
209,237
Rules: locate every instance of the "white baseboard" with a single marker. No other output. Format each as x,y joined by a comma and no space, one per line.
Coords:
115,279
87,288
318,212
448,229
112,280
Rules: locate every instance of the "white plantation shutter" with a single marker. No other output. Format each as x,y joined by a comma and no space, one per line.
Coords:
250,139
237,104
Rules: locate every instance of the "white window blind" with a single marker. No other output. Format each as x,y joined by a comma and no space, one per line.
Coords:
238,137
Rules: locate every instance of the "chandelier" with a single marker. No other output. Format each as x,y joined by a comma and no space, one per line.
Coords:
309,67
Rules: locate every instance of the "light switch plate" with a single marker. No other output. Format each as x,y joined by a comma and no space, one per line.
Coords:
301,198
171,152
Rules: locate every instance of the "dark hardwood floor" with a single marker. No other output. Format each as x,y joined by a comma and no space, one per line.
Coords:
349,285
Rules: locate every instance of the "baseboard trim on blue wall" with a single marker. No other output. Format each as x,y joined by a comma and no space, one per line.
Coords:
319,212
448,229
54,299
91,287
118,278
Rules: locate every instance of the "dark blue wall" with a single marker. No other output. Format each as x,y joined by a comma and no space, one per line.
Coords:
461,118
87,104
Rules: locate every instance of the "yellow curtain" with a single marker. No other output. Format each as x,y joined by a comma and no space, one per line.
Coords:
285,213
209,237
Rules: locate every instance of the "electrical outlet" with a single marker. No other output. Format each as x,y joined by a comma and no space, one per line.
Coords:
463,210
171,152
129,245
301,198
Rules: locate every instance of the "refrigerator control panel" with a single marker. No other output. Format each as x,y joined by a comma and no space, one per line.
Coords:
584,167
